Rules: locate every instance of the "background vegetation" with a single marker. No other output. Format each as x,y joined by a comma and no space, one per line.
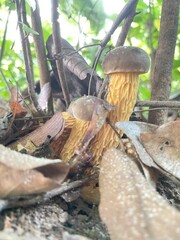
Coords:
83,23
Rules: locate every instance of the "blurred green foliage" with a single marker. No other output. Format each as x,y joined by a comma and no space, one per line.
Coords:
90,22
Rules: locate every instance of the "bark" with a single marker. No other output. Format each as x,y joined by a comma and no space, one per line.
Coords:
58,51
40,51
127,13
26,53
159,104
162,69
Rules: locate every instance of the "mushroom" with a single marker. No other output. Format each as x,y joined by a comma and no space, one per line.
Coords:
90,114
123,65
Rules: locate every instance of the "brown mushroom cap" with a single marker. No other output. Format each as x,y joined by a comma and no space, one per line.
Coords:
126,59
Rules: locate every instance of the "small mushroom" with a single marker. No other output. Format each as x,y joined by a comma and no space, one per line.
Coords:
83,108
123,65
89,113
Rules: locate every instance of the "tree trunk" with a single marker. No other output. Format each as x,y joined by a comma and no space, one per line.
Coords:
162,69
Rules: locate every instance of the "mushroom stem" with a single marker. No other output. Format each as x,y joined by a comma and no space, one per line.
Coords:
74,140
123,89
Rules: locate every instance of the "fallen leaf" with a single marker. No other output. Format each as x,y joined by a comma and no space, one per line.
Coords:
22,174
51,128
129,206
16,103
44,96
163,145
134,131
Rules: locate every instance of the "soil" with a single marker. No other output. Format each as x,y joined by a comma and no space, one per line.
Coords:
51,219
56,218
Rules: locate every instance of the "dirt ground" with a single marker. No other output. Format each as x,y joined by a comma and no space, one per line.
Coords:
52,219
49,220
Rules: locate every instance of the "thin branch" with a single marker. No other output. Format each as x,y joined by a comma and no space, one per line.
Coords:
168,104
123,14
58,51
127,12
27,54
4,38
126,26
156,109
41,52
65,187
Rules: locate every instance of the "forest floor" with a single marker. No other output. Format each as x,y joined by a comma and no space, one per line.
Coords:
50,220
56,218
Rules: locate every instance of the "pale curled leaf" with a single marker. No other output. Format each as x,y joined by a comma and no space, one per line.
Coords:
52,128
21,174
129,206
44,96
135,131
71,59
163,145
15,182
20,161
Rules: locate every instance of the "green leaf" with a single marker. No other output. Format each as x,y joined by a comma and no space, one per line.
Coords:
28,29
32,4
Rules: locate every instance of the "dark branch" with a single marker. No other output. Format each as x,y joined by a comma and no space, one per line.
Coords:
65,187
21,13
168,104
40,51
58,51
127,12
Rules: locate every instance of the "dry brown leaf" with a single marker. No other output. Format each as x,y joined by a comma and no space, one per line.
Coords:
51,128
21,174
163,145
139,130
16,103
129,206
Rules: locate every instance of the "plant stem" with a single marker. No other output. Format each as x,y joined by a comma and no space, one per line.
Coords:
58,51
41,52
26,53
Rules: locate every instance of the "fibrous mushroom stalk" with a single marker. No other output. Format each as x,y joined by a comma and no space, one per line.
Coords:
74,140
123,89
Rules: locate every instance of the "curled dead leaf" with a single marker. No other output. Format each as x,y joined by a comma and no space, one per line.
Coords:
148,138
163,145
21,174
129,206
52,128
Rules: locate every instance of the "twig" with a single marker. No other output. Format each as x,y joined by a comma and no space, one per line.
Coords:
58,50
27,55
41,52
4,38
155,109
127,12
168,104
123,14
126,26
66,187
